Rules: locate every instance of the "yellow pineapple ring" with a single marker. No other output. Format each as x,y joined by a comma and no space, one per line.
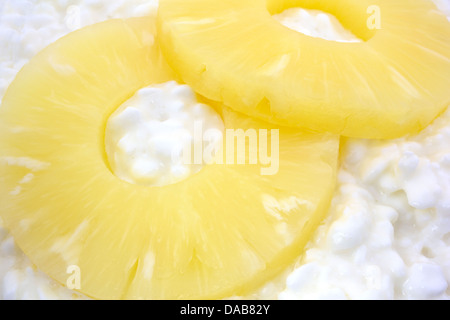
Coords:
394,82
222,232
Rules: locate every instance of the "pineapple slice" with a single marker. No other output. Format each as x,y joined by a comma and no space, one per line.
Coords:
392,83
221,232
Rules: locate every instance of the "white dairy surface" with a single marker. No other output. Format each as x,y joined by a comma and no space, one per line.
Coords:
315,23
388,232
148,135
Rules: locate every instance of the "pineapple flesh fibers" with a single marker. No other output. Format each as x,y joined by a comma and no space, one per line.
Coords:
394,82
219,233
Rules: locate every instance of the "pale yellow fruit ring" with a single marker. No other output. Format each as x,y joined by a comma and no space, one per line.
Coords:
393,83
221,232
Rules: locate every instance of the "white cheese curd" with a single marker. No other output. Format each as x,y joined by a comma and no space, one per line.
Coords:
148,137
316,24
444,6
387,235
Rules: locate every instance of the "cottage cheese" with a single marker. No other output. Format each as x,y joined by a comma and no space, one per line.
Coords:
316,24
388,231
149,139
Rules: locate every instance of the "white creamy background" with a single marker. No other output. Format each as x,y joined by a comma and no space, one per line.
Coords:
388,232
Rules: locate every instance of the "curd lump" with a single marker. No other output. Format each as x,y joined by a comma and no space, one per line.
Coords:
150,135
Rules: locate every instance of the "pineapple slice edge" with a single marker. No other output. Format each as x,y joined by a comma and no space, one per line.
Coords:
380,88
60,199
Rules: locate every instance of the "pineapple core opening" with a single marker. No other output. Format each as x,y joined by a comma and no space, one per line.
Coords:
315,23
149,139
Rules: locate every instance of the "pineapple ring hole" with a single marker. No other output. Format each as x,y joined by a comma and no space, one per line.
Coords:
342,21
153,137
